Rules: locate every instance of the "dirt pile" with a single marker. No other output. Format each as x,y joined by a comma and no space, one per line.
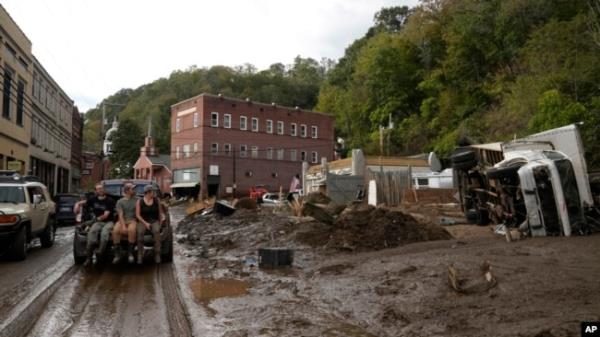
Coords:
363,227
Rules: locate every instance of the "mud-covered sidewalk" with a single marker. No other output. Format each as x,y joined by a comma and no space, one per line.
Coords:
383,273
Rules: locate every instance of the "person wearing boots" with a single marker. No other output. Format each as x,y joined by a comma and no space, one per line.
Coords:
150,216
102,207
126,223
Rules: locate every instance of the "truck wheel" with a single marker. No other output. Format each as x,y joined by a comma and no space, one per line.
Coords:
483,217
463,156
168,256
47,237
502,172
18,250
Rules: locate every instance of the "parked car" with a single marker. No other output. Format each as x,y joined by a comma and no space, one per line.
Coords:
64,208
26,212
114,189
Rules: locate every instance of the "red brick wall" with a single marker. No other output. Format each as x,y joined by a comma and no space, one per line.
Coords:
262,168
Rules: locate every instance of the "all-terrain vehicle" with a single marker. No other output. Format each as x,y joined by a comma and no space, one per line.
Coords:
114,189
26,213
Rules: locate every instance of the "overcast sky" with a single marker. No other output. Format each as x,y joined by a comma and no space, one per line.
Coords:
93,48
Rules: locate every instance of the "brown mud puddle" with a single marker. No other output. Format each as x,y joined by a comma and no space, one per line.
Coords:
206,290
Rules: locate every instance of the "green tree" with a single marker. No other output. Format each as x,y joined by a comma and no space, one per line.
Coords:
126,143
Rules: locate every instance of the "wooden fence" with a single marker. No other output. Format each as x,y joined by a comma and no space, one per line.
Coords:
391,185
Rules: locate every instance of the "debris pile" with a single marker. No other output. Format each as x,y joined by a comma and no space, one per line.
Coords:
364,227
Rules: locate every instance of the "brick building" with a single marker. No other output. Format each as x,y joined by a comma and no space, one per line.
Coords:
227,145
95,169
152,165
76,149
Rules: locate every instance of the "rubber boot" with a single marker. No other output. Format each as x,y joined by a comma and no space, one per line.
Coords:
117,252
130,258
90,257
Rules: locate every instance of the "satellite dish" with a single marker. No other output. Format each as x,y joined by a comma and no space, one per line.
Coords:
434,162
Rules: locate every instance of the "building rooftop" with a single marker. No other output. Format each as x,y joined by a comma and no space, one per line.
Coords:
204,94
162,159
373,161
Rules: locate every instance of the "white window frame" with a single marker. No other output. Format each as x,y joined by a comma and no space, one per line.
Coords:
186,150
195,147
178,125
214,148
302,155
227,149
294,129
243,123
314,131
177,152
280,154
254,119
269,126
314,157
293,155
269,153
196,119
280,128
254,151
303,130
243,151
214,119
227,121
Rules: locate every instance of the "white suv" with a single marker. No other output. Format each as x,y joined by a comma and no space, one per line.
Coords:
26,212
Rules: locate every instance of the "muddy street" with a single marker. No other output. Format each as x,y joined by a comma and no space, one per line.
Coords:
48,295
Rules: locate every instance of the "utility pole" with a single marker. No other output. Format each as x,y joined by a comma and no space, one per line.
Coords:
233,186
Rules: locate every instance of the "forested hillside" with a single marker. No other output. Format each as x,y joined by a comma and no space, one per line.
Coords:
445,72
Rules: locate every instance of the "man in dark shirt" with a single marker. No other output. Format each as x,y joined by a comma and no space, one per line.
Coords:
102,207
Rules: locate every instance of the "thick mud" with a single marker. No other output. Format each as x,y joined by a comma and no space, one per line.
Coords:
541,287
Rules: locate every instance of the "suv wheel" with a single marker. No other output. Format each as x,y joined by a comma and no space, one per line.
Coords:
47,237
168,256
18,250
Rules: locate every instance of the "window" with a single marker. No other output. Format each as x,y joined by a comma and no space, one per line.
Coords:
214,148
214,119
313,131
294,129
269,126
243,123
20,97
293,155
195,147
280,154
6,95
303,130
255,152
314,157
177,153
280,128
186,150
196,120
422,181
254,124
243,149
269,153
227,149
178,125
227,121
303,156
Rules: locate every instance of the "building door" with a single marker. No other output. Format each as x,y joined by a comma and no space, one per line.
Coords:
212,185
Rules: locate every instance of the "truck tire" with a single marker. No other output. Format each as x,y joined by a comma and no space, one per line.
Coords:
168,256
18,250
463,156
464,166
502,172
471,215
483,217
47,237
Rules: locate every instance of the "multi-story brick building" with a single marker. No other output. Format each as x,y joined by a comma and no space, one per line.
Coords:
16,80
76,149
228,145
52,117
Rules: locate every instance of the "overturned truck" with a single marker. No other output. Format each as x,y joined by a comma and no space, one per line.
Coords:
539,183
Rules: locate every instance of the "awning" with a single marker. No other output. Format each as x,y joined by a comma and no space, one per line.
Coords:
187,184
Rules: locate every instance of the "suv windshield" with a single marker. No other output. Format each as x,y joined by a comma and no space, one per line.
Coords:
12,194
67,199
